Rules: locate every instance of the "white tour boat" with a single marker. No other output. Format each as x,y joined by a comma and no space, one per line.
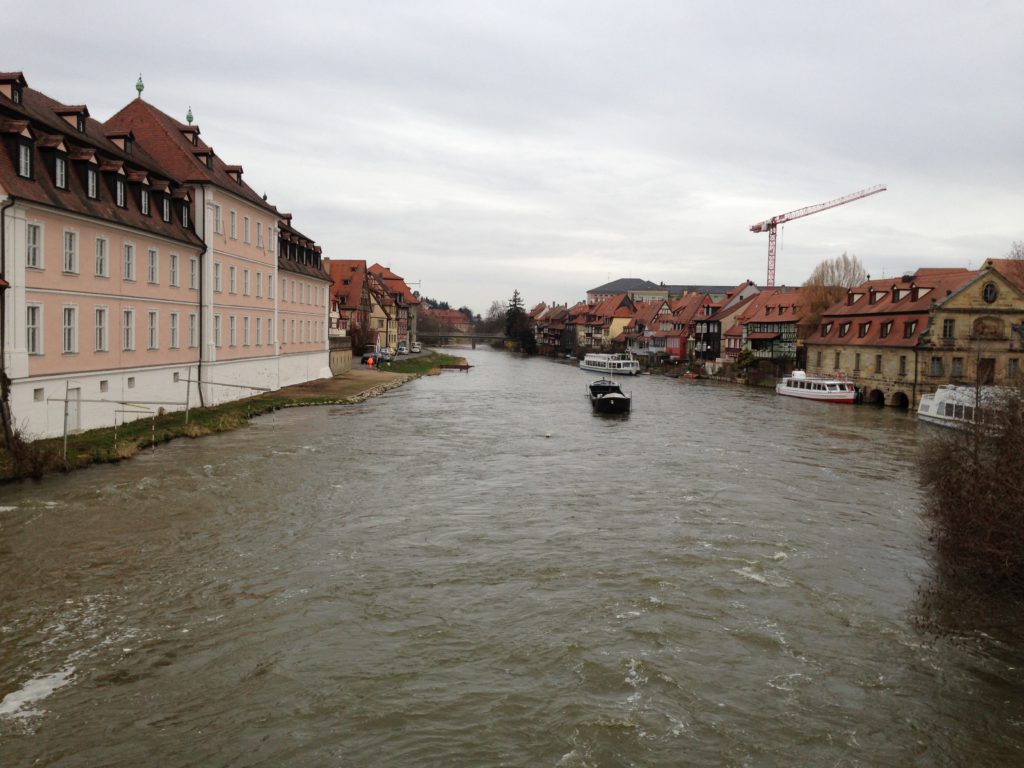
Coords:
827,390
620,364
955,406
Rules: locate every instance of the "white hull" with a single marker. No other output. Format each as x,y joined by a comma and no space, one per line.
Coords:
823,390
953,406
612,365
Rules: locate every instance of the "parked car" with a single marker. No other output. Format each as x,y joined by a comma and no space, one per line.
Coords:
402,349
416,346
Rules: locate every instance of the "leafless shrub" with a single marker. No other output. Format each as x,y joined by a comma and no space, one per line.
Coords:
974,499
28,458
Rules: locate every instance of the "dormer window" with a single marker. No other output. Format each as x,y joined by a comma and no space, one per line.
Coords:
25,160
862,331
128,144
16,93
909,328
144,201
119,192
91,185
167,209
184,215
60,172
885,329
844,328
826,328
80,123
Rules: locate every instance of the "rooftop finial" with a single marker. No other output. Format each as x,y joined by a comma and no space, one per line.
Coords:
189,115
139,85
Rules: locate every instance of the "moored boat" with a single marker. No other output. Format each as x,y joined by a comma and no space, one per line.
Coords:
821,388
607,397
612,364
955,406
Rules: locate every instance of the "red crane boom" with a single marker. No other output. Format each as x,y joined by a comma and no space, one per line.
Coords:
769,225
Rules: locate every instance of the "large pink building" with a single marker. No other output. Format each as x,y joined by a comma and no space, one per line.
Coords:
137,264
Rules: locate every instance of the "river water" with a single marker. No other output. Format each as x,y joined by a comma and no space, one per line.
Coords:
474,570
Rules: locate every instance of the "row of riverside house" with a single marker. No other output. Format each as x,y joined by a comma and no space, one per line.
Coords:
138,270
895,339
371,305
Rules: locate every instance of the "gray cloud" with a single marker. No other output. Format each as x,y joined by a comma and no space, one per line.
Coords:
483,147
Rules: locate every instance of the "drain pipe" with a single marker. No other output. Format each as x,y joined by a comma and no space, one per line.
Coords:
5,382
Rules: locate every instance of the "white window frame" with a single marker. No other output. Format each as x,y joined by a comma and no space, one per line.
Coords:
193,330
216,277
232,330
173,270
60,172
258,327
34,330
71,252
128,329
102,257
245,229
153,329
24,160
92,184
259,234
245,330
166,212
101,324
270,330
193,273
128,262
184,214
271,284
218,220
69,331
232,279
144,201
153,266
34,245
245,282
234,225
259,285
216,331
119,193
173,333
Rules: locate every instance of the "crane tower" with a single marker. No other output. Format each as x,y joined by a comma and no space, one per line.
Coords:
769,225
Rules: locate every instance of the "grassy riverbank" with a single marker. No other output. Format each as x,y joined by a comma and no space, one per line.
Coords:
109,444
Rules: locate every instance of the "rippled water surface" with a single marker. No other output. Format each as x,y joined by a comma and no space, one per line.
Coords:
474,570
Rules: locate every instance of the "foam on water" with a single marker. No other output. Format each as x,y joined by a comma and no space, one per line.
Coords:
16,704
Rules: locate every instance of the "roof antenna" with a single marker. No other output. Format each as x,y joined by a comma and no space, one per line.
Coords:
139,86
189,115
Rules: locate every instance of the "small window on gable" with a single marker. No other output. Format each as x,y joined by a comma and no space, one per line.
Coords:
80,123
16,94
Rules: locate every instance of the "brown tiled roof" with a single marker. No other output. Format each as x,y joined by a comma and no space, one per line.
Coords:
285,262
394,283
163,137
51,130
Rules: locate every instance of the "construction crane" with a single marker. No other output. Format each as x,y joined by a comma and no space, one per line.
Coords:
769,225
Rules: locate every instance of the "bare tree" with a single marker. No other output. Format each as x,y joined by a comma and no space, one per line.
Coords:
828,283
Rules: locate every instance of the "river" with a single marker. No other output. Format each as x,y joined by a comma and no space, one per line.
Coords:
474,570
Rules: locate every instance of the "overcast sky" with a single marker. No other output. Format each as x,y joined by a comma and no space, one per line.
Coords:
480,147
